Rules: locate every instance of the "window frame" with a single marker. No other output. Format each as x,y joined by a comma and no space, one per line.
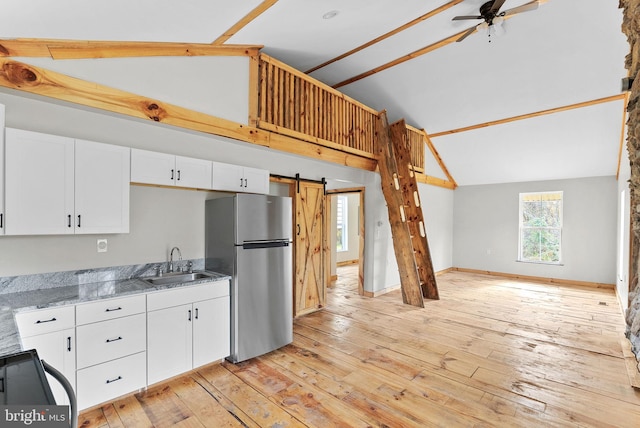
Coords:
560,227
342,201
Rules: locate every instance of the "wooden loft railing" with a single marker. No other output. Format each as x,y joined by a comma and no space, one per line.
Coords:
417,141
291,103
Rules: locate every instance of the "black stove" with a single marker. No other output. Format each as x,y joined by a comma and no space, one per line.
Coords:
23,381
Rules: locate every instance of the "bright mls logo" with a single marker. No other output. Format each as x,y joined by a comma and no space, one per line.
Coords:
34,416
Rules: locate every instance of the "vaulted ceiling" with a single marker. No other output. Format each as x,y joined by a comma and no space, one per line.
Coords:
541,101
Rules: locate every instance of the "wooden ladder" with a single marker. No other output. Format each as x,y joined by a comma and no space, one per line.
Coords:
400,190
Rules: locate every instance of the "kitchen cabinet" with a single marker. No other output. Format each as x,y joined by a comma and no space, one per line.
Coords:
187,327
169,170
50,332
110,355
58,185
237,178
101,188
39,180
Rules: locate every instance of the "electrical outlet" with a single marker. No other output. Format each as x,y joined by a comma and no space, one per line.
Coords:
102,245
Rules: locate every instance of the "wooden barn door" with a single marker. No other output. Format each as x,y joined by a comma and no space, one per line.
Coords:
309,289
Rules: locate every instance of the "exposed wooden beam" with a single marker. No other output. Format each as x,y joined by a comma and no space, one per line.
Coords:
244,21
405,58
622,133
436,155
531,115
435,181
39,81
82,49
387,35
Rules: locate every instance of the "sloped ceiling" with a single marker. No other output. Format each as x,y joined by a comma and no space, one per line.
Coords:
563,53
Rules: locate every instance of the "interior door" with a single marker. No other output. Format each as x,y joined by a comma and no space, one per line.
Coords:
309,286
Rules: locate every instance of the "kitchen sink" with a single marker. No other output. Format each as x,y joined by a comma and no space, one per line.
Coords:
177,278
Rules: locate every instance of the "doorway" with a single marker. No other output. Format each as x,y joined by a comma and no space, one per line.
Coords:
346,230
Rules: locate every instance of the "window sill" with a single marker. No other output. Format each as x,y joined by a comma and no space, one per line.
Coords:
540,263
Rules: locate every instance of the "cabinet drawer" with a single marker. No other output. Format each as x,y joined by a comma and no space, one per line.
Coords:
109,380
184,295
40,321
108,340
109,309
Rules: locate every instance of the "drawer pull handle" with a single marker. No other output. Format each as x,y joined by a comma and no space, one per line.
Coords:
114,340
189,315
69,343
114,309
114,380
42,322
196,313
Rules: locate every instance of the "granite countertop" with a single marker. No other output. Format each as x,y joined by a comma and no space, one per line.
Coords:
70,295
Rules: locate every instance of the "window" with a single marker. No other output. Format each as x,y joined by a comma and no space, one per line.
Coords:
540,227
342,227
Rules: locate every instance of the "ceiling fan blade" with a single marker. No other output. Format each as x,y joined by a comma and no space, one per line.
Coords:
469,32
460,18
497,4
533,5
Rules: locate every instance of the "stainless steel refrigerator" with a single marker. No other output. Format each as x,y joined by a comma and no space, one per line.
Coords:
249,237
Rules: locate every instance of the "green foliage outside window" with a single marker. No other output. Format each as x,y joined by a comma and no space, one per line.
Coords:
540,227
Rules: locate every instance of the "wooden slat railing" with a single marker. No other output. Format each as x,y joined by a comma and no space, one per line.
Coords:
291,103
417,141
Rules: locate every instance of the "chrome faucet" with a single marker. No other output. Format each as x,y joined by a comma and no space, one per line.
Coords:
171,259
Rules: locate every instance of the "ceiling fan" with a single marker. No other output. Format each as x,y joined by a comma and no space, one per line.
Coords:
490,13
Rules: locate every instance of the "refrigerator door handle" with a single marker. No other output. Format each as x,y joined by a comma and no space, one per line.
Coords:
268,244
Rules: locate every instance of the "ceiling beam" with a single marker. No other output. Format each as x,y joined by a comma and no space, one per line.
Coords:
387,35
40,81
83,49
405,58
437,157
531,115
244,21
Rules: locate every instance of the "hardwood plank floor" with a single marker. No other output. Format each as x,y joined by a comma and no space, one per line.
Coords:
492,352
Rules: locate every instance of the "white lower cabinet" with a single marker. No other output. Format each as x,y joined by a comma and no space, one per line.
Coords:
51,333
112,347
111,357
106,381
187,327
58,349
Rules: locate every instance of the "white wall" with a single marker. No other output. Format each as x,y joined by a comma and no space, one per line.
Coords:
437,208
623,232
485,229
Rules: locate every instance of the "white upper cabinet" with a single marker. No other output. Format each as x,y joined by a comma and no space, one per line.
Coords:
39,180
169,170
101,188
256,180
235,178
228,177
55,185
195,173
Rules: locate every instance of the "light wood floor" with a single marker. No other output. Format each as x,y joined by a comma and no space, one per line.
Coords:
491,352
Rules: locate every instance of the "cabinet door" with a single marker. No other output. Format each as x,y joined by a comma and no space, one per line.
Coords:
227,177
101,188
1,169
39,183
211,331
169,342
194,173
152,167
256,180
58,350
